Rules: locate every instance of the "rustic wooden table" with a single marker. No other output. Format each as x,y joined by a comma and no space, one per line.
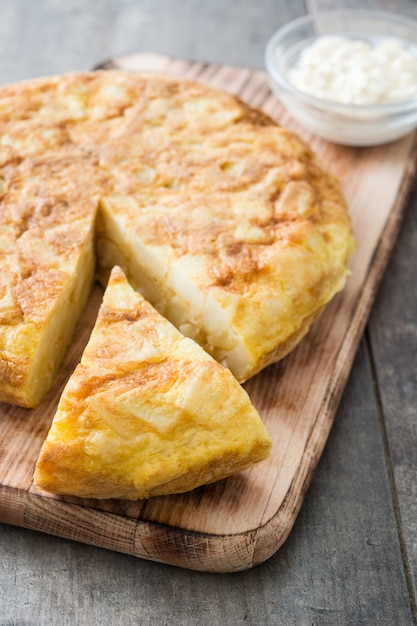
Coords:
351,558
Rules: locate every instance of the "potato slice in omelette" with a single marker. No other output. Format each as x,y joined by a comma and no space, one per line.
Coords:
147,411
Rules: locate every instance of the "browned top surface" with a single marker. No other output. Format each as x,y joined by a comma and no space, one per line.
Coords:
219,184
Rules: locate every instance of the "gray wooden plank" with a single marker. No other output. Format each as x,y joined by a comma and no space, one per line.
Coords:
393,340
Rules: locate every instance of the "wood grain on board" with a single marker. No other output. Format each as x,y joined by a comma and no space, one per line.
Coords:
239,522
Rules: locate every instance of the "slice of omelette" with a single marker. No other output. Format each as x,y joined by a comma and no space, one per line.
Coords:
147,411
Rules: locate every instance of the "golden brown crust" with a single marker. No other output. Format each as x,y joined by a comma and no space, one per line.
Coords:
222,197
146,415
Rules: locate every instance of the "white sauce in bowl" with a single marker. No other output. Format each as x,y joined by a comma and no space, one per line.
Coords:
353,71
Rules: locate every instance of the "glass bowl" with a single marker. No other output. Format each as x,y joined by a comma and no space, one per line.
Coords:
356,125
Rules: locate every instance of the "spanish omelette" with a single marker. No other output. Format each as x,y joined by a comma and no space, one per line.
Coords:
225,221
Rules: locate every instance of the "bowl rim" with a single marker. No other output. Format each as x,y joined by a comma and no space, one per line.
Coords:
395,106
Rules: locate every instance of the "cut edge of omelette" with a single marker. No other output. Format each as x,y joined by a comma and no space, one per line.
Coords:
27,377
147,411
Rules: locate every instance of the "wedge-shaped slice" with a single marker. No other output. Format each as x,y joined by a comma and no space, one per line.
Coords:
146,412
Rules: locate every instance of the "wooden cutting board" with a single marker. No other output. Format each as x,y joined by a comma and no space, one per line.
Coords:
239,522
